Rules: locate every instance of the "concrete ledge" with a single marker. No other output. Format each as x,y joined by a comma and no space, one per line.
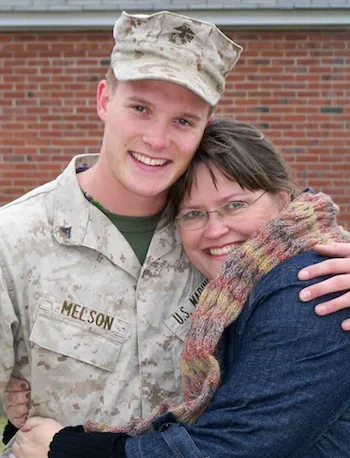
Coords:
248,19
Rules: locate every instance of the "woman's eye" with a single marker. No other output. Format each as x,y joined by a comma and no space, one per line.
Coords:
193,214
236,205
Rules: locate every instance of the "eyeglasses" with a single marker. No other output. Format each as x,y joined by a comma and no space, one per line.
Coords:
197,219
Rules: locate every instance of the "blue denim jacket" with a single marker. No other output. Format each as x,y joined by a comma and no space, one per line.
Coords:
285,390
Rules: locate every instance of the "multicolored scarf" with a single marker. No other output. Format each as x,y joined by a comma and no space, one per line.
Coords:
309,219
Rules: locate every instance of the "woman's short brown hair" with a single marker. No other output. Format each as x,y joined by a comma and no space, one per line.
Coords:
242,153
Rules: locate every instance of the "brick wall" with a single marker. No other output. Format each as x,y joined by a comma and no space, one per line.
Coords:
293,85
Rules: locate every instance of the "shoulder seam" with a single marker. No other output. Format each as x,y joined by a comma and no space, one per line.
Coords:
25,198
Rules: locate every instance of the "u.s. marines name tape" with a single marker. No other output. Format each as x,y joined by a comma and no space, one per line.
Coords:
179,321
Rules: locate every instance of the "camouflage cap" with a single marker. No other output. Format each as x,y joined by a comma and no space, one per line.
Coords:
172,47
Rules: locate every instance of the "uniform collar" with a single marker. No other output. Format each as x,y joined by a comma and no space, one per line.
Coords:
71,209
78,222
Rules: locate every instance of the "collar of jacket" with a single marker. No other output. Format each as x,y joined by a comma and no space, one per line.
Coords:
77,222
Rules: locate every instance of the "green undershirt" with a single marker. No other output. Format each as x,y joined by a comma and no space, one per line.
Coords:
137,230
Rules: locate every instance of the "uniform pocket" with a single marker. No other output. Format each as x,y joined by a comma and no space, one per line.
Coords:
78,332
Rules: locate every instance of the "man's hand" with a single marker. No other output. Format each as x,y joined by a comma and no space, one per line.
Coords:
16,401
340,267
34,438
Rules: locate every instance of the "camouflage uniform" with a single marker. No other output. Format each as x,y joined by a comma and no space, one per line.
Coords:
96,334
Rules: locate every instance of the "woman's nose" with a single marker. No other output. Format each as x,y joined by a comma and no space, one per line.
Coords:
216,226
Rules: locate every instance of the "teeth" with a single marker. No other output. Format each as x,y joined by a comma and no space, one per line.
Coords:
147,160
220,251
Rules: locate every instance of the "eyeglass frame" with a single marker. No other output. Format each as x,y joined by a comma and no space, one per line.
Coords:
217,211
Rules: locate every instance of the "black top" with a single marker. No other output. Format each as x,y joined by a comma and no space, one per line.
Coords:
9,431
74,442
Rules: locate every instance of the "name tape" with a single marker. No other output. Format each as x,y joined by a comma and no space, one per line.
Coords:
85,314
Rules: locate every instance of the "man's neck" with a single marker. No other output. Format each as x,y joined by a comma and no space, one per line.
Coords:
115,197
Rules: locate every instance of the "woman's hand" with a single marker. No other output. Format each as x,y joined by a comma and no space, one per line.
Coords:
339,266
34,438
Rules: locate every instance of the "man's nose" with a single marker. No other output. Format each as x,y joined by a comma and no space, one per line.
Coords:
157,137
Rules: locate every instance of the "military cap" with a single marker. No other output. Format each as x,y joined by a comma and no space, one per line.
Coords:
175,48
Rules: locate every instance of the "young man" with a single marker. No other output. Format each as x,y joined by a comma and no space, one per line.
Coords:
90,290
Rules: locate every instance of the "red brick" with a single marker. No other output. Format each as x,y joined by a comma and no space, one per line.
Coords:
48,84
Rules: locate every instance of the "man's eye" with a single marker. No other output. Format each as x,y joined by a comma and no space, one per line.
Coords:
183,122
139,108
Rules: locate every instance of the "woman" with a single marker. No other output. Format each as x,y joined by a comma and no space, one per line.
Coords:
263,375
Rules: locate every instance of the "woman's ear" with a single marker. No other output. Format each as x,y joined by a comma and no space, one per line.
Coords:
283,200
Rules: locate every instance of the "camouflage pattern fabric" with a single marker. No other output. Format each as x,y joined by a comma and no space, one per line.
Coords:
96,335
172,47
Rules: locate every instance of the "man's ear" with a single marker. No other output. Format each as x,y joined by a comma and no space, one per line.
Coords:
211,115
210,119
102,99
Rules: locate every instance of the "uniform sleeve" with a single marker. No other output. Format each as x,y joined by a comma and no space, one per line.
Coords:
286,384
9,325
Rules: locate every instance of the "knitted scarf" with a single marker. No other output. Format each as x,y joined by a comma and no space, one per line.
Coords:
308,220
